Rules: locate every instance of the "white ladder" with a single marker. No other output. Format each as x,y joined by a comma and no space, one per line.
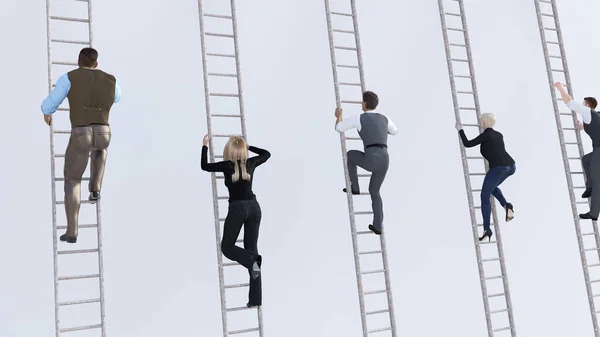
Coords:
59,40
221,67
571,146
356,80
491,263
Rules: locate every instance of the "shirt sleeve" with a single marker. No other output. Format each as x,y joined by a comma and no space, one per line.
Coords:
221,166
392,128
57,95
584,111
473,142
353,122
263,155
117,91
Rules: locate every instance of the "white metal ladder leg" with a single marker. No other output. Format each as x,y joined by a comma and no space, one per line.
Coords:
570,142
54,41
358,81
458,52
222,110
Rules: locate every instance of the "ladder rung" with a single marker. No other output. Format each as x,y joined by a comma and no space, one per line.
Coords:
222,75
487,242
548,15
222,198
364,232
463,76
80,328
64,63
468,108
62,18
62,202
558,70
80,226
493,277
220,135
377,312
62,109
456,29
554,29
496,295
458,45
78,251
472,125
95,300
380,330
453,14
553,42
353,138
347,66
370,252
498,311
555,57
350,84
352,102
491,260
219,35
220,94
345,48
477,174
78,277
218,16
87,43
363,213
341,14
502,329
373,271
343,31
459,60
220,55
582,202
475,158
373,292
235,332
230,264
594,281
587,233
465,92
594,265
241,285
225,115
238,309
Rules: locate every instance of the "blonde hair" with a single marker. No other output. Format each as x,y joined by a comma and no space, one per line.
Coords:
236,151
487,120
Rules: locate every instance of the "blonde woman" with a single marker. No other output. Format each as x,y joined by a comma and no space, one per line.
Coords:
244,209
501,166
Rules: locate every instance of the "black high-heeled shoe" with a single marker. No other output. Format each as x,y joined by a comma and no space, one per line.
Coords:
487,234
510,212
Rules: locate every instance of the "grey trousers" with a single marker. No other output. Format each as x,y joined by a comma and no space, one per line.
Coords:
377,161
85,142
591,167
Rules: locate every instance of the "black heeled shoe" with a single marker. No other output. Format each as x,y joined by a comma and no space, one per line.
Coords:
353,192
510,212
487,234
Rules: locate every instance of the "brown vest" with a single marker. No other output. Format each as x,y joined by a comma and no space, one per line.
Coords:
91,96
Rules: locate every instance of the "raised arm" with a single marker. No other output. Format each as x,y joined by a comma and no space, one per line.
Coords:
57,95
263,155
473,142
117,91
392,128
342,125
221,166
584,111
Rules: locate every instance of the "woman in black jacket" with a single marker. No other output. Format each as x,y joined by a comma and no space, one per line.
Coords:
244,209
501,166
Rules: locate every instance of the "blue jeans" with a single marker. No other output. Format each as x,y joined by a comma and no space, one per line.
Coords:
494,177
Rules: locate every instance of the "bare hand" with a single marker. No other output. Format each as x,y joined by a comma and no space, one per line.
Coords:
580,125
338,113
558,85
458,126
48,119
205,140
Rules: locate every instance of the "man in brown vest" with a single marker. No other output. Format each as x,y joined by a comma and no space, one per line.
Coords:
91,94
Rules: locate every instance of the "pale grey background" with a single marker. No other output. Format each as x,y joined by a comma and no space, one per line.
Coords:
158,229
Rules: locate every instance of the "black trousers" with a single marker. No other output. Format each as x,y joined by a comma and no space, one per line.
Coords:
245,213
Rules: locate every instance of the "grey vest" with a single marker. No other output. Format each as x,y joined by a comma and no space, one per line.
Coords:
373,128
593,129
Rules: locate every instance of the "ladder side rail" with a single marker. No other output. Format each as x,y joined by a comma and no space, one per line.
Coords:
466,171
213,174
346,174
564,153
494,211
53,177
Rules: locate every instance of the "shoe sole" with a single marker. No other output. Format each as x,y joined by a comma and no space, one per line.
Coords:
510,215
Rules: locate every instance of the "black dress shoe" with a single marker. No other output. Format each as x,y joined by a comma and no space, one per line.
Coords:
587,216
252,305
69,239
94,197
353,192
374,230
587,193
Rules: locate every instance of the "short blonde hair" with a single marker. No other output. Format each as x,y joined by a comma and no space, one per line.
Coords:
487,120
236,150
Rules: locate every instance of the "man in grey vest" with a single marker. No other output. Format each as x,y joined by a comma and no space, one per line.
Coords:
373,129
91,94
591,161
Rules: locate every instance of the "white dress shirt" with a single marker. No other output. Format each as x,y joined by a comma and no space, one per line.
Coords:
353,122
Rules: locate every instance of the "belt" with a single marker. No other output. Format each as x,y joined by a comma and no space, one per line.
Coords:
383,146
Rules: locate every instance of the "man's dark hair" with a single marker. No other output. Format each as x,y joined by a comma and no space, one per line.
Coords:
371,99
88,57
592,102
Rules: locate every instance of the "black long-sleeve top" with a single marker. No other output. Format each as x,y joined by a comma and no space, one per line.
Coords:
241,189
492,147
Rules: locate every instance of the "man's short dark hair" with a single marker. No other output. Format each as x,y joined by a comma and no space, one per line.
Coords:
88,57
592,102
371,99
